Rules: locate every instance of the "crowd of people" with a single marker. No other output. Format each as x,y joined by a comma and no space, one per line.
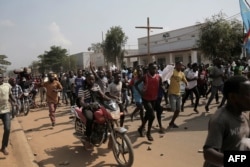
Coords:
142,86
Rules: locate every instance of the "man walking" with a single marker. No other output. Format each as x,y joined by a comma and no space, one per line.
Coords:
151,84
175,92
217,75
53,87
5,95
192,76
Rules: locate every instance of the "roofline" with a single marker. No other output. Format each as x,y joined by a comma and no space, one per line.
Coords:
195,25
158,53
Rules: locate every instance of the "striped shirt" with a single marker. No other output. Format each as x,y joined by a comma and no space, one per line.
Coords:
89,94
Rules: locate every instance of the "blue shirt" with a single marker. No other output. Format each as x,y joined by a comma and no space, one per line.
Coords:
136,94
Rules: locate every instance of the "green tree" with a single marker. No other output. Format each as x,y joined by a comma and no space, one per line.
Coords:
113,45
3,63
220,37
54,60
96,47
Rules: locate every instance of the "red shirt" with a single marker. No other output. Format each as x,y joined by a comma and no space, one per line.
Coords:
202,77
151,87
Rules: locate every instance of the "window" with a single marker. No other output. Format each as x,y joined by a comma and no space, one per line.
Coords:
161,61
199,58
135,63
189,58
144,62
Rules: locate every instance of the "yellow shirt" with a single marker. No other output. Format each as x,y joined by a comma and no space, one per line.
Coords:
176,78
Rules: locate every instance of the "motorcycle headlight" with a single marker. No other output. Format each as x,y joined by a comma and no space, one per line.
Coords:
113,106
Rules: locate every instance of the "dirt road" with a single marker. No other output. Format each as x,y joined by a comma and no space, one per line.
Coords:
58,147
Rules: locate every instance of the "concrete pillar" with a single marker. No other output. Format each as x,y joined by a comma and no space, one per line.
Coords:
128,62
171,58
194,56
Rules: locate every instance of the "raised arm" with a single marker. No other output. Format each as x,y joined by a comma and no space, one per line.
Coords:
93,70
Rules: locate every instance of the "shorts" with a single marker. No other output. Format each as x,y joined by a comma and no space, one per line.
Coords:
175,102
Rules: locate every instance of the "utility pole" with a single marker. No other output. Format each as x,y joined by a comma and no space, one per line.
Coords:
148,36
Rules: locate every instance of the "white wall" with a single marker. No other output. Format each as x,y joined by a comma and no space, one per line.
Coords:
174,40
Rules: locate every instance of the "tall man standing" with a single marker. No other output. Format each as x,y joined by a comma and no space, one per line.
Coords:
53,87
5,95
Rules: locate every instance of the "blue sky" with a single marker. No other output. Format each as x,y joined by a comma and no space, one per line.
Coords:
30,27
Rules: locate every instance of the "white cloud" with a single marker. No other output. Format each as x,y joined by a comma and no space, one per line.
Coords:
6,23
57,37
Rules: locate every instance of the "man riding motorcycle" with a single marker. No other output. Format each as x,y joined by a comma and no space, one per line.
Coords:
87,95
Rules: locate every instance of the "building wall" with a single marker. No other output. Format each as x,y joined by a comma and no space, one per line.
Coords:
165,48
171,46
97,59
131,62
170,41
82,59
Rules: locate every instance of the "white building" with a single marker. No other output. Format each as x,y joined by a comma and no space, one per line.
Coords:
165,48
99,61
82,59
169,47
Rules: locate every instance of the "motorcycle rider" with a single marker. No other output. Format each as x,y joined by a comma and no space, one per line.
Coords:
23,75
88,94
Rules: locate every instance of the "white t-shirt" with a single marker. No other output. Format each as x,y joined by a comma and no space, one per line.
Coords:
191,75
72,81
4,100
115,90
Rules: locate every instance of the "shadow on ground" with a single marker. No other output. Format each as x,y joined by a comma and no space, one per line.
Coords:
64,156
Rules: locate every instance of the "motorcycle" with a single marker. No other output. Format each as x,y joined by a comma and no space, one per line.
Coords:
105,127
25,102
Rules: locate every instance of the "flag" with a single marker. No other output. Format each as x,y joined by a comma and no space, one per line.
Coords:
246,42
245,14
167,72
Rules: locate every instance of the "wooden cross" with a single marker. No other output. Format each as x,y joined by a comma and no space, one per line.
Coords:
148,29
